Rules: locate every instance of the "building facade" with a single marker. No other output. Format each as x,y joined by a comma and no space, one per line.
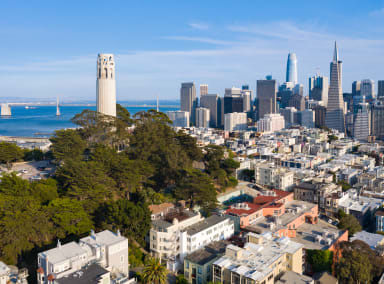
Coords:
188,100
291,75
202,117
179,118
318,88
270,123
266,97
213,103
236,121
106,85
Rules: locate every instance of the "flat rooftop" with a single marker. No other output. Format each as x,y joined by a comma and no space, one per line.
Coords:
205,224
208,253
64,252
167,221
87,275
318,236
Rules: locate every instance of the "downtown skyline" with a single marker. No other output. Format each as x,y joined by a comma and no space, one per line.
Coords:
155,56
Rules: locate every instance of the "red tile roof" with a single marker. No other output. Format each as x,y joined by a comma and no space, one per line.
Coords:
242,211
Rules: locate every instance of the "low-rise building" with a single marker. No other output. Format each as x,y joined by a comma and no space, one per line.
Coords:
183,232
197,265
262,260
109,250
290,277
276,177
375,241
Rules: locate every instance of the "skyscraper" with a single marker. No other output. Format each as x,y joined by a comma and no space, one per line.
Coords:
188,101
106,85
203,90
356,88
367,89
213,103
318,88
335,109
361,123
380,89
202,117
233,100
266,97
291,68
377,121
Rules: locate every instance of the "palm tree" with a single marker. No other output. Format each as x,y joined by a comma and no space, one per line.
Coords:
154,272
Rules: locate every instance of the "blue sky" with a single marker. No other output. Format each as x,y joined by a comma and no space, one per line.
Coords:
49,48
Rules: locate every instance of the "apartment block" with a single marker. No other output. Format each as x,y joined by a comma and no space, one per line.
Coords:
276,177
261,261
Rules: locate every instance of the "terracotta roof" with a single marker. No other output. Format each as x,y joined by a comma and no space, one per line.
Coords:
160,207
242,211
274,205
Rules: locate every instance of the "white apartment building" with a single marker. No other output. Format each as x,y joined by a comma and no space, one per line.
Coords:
270,123
235,121
179,118
261,261
276,177
202,117
187,232
109,250
5,271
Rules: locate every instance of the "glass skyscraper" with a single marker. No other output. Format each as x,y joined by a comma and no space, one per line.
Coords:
292,68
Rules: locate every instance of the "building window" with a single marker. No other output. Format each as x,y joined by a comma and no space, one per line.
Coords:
187,264
122,258
199,270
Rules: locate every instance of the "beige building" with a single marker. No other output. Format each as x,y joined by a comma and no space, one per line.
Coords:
276,177
261,261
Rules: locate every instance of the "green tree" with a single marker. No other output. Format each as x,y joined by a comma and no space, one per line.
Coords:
350,223
67,144
154,272
69,217
197,188
134,220
344,185
354,267
230,165
45,190
320,260
181,279
34,154
10,153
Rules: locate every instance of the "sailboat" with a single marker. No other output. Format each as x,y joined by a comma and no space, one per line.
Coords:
57,107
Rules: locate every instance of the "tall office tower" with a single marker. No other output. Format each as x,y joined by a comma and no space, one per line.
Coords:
106,85
377,121
289,115
367,89
235,121
247,98
188,101
284,94
297,101
202,117
266,96
307,118
291,68
356,88
179,118
211,102
361,123
203,90
335,109
380,89
298,89
318,88
320,113
233,100
271,122
349,100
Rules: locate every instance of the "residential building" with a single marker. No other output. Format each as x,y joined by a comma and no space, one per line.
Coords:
262,260
213,103
89,274
275,177
179,118
202,117
203,90
375,241
197,265
318,88
188,100
379,216
5,272
290,277
335,108
236,121
291,75
182,232
108,249
324,278
270,123
266,97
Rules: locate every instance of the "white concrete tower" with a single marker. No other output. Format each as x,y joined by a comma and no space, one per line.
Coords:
106,85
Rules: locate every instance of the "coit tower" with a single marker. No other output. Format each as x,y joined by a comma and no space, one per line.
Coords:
106,85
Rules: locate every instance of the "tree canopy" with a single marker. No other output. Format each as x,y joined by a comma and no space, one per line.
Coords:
350,223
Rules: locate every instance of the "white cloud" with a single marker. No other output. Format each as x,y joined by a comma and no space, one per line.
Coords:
199,26
379,12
